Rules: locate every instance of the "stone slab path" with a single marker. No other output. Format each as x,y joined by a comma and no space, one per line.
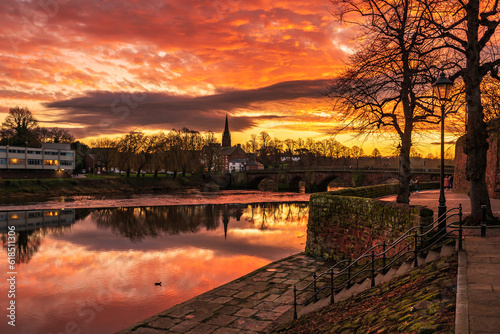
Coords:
254,303
483,284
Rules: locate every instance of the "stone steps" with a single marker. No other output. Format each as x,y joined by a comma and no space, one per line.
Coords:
356,288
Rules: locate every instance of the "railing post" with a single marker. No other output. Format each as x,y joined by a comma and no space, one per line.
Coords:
332,298
383,257
315,290
373,269
294,302
416,250
349,274
460,227
483,221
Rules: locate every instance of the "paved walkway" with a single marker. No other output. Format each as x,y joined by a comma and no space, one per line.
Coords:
250,304
430,198
482,265
483,284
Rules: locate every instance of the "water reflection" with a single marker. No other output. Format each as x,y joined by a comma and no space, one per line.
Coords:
152,222
94,268
31,227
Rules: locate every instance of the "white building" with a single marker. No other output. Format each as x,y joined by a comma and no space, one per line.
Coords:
52,156
33,220
237,165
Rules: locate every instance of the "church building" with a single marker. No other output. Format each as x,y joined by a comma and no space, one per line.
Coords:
226,136
234,158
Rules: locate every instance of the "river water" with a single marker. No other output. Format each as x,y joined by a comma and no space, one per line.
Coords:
89,265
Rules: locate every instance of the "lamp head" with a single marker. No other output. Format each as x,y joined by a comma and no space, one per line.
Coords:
442,87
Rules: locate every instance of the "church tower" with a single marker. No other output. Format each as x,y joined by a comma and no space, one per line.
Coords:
226,136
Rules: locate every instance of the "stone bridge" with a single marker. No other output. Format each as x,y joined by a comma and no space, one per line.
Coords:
319,180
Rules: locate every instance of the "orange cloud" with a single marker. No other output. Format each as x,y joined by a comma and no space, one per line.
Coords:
193,48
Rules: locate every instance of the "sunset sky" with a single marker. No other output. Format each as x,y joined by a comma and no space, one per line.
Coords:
108,67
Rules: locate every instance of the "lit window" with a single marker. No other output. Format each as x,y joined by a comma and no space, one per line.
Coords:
14,161
51,162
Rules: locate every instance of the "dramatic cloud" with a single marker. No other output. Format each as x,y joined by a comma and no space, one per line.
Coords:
192,60
106,112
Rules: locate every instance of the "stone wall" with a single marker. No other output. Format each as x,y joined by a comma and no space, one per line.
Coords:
460,182
343,227
380,190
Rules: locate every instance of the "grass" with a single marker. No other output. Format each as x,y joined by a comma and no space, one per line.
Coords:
422,301
41,189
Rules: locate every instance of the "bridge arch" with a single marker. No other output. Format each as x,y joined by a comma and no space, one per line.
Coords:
381,179
254,182
333,180
294,182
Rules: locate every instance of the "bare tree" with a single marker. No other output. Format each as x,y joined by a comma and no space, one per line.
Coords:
490,96
22,126
59,135
211,154
129,146
376,153
469,37
389,77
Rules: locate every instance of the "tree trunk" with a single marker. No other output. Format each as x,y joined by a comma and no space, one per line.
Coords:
476,144
404,174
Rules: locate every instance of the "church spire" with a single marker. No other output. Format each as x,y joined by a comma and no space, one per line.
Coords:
226,136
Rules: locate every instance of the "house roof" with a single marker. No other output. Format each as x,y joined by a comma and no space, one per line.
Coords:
254,163
231,150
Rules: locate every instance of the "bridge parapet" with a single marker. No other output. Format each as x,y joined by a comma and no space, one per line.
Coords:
318,179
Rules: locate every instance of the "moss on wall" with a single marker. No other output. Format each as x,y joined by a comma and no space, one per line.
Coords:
342,226
358,179
379,190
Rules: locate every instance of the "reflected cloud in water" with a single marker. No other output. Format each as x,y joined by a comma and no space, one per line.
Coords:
98,268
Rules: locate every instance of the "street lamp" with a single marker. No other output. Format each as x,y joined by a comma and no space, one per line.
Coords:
442,88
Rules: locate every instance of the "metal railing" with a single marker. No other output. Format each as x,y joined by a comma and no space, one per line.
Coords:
380,258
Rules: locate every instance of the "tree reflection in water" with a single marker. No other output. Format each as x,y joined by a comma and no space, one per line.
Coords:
275,214
137,223
145,222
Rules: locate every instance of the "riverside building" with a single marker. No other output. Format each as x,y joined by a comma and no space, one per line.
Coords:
50,157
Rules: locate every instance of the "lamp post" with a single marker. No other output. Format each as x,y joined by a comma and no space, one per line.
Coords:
399,156
442,88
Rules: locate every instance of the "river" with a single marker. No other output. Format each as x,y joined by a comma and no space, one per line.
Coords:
89,265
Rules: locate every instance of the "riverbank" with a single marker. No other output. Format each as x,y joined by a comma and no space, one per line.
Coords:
43,189
180,197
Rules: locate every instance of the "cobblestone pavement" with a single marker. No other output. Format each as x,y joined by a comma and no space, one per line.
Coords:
251,304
